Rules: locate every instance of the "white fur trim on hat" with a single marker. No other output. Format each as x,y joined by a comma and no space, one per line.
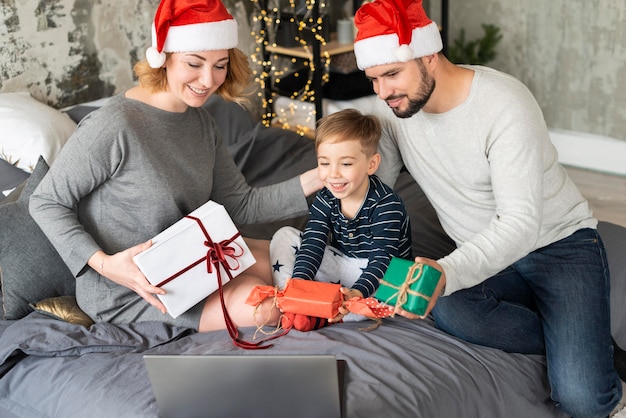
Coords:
209,36
385,49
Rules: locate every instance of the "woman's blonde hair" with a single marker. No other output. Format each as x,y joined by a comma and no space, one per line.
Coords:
349,124
234,89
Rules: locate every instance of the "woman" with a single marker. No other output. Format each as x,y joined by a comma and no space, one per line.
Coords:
149,157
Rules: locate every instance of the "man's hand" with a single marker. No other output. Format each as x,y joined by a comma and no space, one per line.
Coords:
438,290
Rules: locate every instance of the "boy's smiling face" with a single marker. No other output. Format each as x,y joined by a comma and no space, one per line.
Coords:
344,169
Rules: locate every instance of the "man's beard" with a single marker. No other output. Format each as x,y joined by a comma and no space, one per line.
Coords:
423,95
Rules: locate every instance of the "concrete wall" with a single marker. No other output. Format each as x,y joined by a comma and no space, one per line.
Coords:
70,51
571,53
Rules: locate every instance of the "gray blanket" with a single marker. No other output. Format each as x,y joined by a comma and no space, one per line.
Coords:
402,369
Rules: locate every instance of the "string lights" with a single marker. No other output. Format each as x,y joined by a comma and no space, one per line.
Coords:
272,62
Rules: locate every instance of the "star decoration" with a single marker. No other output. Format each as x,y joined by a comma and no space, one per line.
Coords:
277,266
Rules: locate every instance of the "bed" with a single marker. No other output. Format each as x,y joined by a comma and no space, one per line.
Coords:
52,365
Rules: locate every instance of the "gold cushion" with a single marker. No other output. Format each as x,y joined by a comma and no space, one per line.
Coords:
64,308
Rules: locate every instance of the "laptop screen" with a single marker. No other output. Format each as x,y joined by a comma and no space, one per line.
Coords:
245,385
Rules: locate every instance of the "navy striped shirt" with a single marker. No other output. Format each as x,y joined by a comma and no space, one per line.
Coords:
380,230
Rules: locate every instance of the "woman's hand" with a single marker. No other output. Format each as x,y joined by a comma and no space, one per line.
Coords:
121,269
310,182
441,285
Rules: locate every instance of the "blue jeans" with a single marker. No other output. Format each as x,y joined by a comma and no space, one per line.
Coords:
554,301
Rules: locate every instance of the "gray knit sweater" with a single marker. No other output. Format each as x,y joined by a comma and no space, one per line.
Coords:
490,171
131,170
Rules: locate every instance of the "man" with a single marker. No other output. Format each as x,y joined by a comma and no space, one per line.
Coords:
529,274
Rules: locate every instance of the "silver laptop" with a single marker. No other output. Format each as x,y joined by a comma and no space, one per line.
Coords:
272,386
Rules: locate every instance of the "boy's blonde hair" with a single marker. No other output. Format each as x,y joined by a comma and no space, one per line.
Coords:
349,124
234,88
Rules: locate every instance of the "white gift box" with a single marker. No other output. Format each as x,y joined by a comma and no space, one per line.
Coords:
177,260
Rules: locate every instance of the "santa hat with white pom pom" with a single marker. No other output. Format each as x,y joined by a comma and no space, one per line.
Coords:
190,26
392,31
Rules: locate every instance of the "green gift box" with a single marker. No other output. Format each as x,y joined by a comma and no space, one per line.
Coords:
408,285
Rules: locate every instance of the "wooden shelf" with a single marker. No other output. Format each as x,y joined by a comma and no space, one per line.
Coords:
331,48
315,52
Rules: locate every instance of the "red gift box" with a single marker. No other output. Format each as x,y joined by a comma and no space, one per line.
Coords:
305,297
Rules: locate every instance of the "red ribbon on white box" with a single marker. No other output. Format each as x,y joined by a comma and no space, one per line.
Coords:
216,255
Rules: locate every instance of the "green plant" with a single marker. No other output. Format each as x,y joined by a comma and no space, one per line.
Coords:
478,51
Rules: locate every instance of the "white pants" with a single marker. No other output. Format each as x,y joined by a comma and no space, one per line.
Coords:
336,267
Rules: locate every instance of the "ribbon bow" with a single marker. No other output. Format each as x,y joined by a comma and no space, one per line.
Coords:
221,252
216,254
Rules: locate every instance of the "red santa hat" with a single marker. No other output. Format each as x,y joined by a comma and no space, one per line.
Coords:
394,31
189,26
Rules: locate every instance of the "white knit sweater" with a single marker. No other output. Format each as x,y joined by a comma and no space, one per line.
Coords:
490,171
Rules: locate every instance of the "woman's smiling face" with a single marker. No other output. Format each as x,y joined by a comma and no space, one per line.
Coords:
192,77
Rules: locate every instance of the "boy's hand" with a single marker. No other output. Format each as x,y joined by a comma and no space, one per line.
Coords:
350,293
347,294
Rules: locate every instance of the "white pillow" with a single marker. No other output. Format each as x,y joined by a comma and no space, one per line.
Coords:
29,129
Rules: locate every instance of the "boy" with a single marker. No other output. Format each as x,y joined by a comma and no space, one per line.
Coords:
356,223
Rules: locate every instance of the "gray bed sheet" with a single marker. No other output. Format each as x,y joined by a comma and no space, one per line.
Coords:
402,369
